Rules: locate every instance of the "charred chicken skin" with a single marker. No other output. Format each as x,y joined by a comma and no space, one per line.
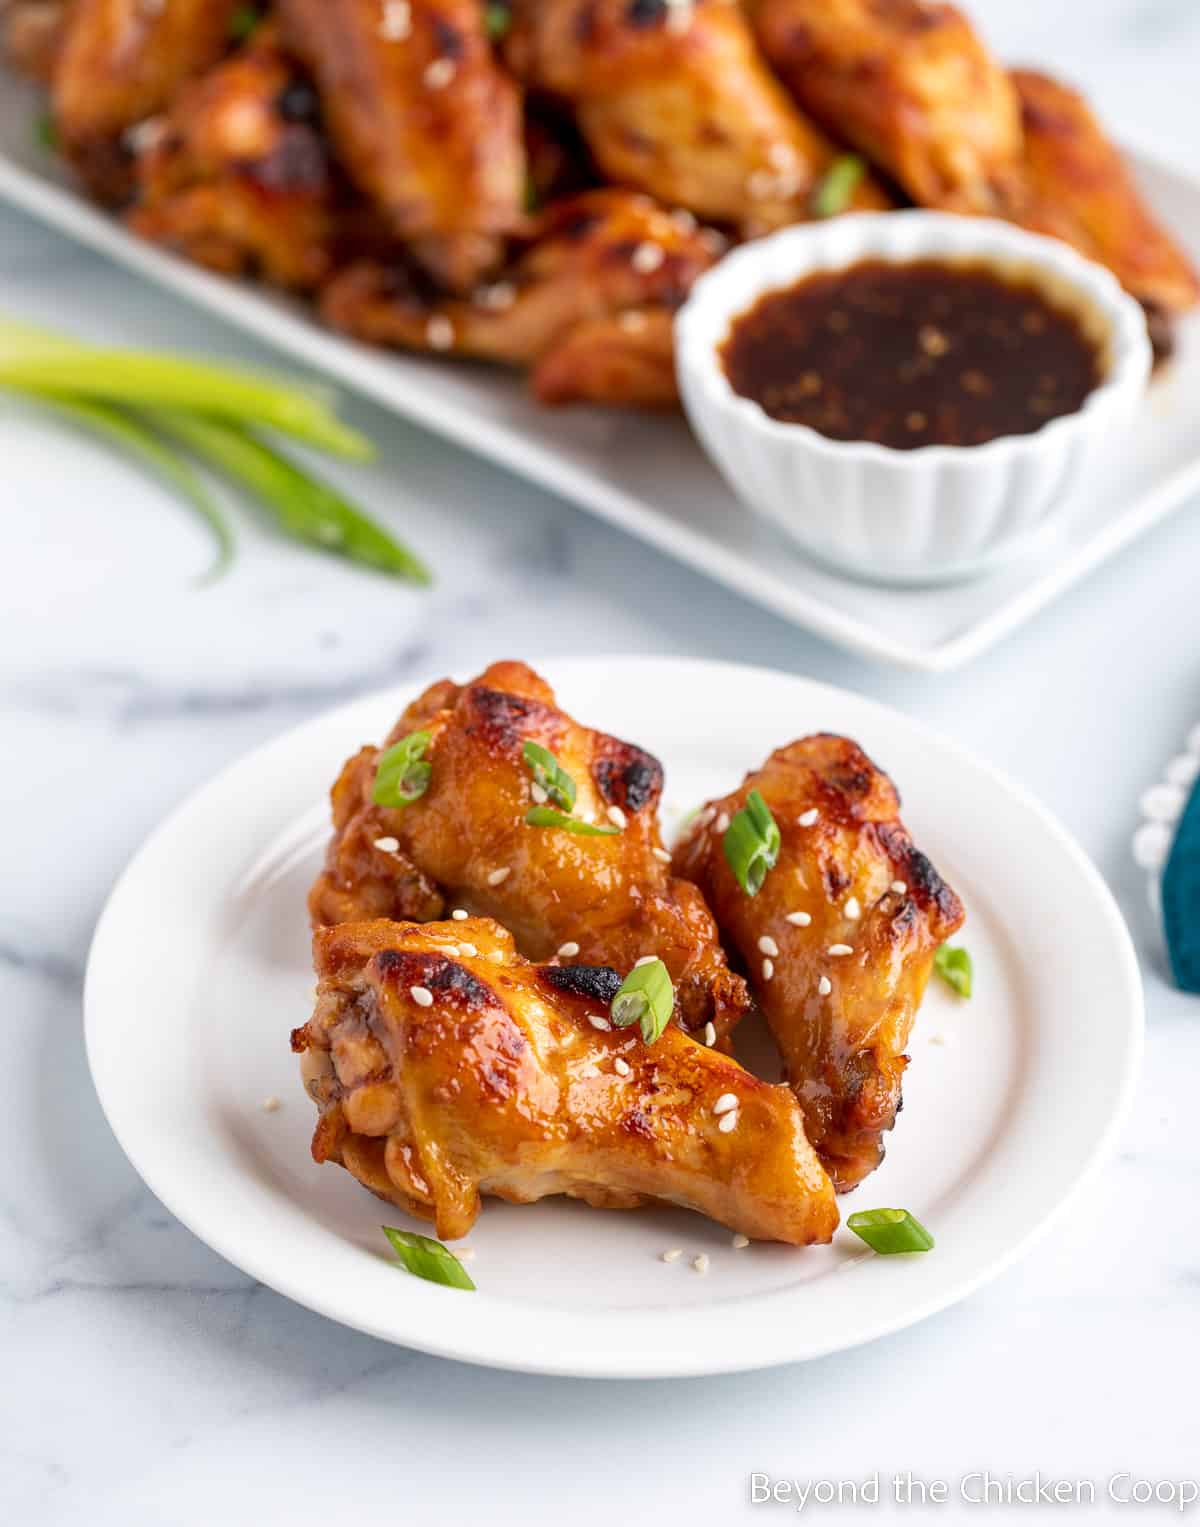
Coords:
839,941
425,121
676,100
910,85
446,1067
597,257
465,843
121,62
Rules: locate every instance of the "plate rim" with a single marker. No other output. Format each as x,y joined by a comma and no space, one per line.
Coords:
426,1326
271,320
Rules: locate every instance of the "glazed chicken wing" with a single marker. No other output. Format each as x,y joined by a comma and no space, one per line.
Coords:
465,843
1080,190
446,1067
598,255
677,101
120,63
839,941
909,84
235,175
426,123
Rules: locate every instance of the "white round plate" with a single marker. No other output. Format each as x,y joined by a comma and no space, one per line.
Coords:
200,969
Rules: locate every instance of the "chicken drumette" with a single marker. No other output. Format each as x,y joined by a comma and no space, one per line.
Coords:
423,118
465,843
445,1067
676,100
839,941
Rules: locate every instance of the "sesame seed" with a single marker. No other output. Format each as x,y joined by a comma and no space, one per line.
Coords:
700,1263
498,877
452,950
799,919
767,945
421,995
646,959
852,909
439,74
568,950
760,184
468,949
932,340
710,1034
647,257
725,1102
723,822
714,241
439,332
824,986
807,818
840,949
498,297
386,845
271,1105
459,915
616,816
673,1255
684,220
633,323
740,1242
706,816
539,795
599,1023
782,156
496,956
661,855
144,136
621,1067
728,1123
916,420
768,969
899,887
397,21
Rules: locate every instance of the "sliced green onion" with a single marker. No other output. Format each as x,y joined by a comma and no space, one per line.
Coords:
550,775
889,1231
427,1259
306,508
752,844
646,997
402,776
45,131
131,435
955,968
835,189
497,19
243,22
160,381
546,816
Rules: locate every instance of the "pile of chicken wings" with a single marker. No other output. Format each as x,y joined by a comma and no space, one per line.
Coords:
464,1040
537,183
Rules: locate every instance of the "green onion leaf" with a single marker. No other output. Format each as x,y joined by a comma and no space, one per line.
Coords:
550,775
752,844
306,508
401,775
243,22
126,431
955,968
45,131
889,1231
497,18
833,192
647,997
427,1259
546,816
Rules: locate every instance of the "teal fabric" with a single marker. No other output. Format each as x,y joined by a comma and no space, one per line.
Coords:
1181,898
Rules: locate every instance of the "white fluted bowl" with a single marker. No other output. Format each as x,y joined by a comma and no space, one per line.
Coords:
937,513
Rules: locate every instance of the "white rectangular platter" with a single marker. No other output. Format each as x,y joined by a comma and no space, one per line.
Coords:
647,475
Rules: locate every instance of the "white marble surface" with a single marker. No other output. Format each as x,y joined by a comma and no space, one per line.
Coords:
147,1381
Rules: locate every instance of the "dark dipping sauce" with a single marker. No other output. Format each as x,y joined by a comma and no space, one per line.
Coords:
923,353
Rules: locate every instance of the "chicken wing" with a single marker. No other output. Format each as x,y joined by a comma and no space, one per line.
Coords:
676,100
598,255
839,941
465,843
627,360
446,1067
910,84
426,123
33,33
1080,190
235,176
120,63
